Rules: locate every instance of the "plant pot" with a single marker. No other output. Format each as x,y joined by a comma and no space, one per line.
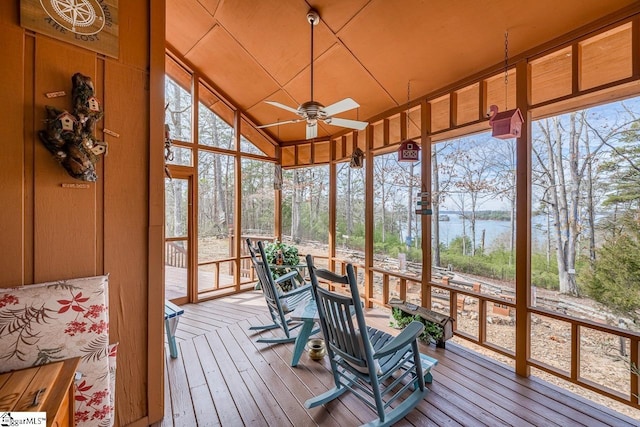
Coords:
317,348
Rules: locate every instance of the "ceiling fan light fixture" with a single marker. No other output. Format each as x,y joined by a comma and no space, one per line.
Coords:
312,111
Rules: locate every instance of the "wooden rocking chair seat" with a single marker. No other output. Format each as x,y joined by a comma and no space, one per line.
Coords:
401,370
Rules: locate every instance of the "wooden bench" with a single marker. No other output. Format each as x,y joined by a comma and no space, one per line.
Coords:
172,315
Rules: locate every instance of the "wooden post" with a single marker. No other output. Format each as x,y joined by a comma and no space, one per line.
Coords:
333,203
368,219
523,223
425,172
155,270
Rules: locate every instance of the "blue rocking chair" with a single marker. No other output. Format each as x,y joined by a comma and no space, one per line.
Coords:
375,366
280,303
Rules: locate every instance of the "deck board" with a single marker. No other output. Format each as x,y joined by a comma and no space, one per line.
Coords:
222,376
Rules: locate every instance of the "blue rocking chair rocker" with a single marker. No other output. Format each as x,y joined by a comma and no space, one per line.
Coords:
280,303
375,366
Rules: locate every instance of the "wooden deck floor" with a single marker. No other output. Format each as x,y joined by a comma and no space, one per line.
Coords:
223,377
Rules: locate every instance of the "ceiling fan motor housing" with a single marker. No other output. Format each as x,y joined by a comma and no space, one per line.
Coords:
312,110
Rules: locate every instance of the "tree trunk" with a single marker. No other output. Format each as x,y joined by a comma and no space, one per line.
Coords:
295,207
590,206
349,204
410,206
435,201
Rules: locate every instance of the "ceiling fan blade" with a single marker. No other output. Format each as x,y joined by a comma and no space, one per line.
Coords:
284,107
312,130
346,123
341,106
279,123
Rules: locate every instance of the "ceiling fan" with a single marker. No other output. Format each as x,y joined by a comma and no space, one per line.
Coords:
312,111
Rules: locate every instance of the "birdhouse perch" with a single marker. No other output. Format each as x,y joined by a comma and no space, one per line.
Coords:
507,124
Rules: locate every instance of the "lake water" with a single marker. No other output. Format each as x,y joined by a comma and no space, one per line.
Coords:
493,230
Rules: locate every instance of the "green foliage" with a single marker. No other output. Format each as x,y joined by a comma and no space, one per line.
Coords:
543,274
290,257
480,265
615,278
289,253
457,245
493,215
432,331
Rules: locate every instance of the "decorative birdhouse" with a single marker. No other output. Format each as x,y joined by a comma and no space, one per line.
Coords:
507,124
94,104
99,148
357,159
409,151
66,120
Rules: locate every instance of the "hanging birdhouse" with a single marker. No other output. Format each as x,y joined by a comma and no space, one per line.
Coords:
66,120
507,124
409,151
357,159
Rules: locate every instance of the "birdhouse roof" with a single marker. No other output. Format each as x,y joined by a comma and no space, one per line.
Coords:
66,115
406,142
509,114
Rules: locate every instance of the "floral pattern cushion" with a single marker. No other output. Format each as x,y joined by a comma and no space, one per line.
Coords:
53,321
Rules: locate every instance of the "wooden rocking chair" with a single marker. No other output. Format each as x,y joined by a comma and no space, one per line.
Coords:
375,366
280,303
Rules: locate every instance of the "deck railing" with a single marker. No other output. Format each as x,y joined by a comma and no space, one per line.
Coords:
446,293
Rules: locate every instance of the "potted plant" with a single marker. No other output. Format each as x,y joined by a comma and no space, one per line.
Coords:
282,258
432,331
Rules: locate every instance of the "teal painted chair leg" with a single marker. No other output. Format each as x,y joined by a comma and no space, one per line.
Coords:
173,348
301,341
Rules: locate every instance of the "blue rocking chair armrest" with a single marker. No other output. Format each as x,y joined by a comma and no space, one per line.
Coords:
405,338
296,291
287,277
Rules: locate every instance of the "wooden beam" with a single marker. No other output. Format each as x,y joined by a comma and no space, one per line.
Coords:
635,47
425,174
576,53
523,223
453,109
192,243
368,219
278,199
237,190
155,268
333,204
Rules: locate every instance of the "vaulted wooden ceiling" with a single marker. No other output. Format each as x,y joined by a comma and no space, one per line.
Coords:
369,50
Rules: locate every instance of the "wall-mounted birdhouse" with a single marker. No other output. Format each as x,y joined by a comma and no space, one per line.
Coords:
507,124
94,104
409,151
66,120
99,148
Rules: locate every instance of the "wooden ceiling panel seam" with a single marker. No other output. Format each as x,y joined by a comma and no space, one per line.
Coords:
250,54
245,50
359,61
348,21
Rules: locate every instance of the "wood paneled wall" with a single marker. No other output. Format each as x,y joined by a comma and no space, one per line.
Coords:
49,232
